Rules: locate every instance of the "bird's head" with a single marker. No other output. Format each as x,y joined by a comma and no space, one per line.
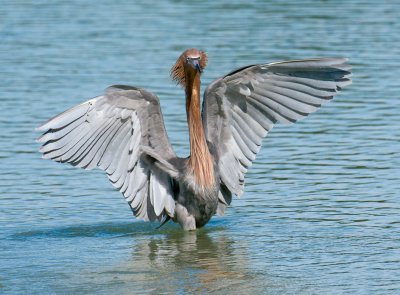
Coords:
191,62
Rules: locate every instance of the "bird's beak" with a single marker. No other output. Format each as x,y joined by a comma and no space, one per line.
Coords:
195,63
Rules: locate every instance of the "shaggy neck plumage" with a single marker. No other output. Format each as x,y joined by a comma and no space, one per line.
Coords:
200,160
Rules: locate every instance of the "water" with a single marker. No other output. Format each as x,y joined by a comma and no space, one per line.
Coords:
320,214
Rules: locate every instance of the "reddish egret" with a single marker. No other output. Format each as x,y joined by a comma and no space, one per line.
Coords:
122,132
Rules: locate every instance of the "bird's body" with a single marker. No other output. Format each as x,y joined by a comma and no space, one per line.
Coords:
122,132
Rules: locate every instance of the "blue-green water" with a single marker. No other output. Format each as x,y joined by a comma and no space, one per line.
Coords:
320,214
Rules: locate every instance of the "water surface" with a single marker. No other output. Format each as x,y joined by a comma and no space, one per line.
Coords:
320,214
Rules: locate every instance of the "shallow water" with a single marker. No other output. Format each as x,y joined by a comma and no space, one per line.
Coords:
320,214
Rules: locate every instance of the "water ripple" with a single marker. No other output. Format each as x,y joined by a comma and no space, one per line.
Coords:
320,211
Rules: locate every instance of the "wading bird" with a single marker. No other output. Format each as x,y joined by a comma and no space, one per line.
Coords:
122,132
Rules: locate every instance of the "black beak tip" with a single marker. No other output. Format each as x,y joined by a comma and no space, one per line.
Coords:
198,68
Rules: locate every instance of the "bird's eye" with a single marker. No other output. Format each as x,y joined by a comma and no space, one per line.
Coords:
187,59
199,57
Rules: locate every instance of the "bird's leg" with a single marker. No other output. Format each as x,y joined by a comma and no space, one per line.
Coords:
185,219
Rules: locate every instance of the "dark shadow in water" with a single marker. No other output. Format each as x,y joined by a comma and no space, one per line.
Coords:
107,229
90,230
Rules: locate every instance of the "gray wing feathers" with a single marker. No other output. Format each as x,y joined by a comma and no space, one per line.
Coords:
242,107
112,132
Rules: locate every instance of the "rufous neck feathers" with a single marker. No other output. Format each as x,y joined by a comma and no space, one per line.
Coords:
200,161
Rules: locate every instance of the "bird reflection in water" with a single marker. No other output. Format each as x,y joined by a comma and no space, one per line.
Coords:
193,262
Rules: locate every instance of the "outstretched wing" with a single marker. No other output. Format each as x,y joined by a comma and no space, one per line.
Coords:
122,132
242,107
